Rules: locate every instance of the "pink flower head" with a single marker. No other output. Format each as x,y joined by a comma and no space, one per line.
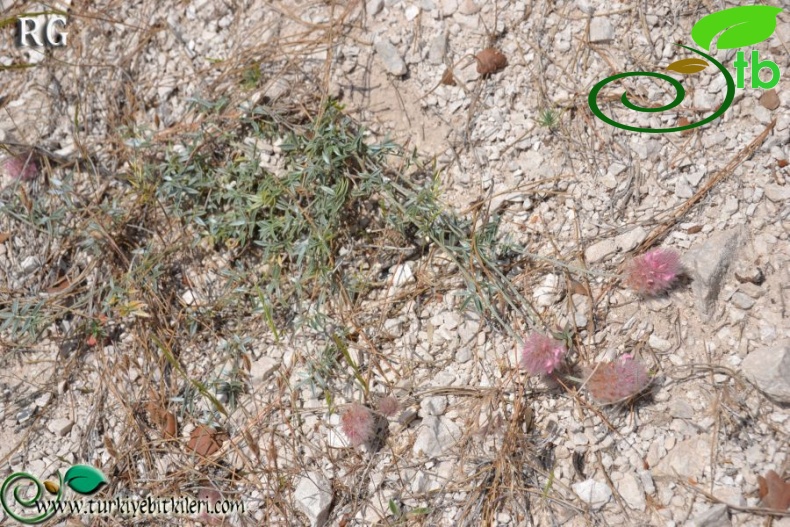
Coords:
654,272
357,423
541,354
22,167
612,382
388,406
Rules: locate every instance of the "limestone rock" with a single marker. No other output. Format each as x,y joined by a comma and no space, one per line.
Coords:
601,30
716,516
436,436
769,369
688,459
594,493
707,265
313,495
630,489
390,57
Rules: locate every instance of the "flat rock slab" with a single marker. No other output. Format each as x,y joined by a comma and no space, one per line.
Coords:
436,436
313,496
769,369
707,265
716,516
630,488
688,459
392,60
594,493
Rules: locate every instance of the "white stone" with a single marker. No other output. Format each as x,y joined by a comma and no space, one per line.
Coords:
436,435
261,369
437,49
549,292
601,30
335,438
394,326
647,481
402,274
43,400
777,193
730,205
420,482
435,405
688,459
60,427
752,290
683,190
412,12
600,251
658,344
313,495
716,516
708,264
188,297
463,355
276,89
704,99
629,240
468,331
451,320
449,7
615,169
468,7
374,7
609,181
694,177
392,60
509,197
681,409
769,369
30,264
630,489
742,300
594,493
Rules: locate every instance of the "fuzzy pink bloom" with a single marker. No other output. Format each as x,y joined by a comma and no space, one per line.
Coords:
541,354
388,406
654,272
357,423
22,167
613,382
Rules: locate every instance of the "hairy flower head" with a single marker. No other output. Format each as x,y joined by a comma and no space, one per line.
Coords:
654,272
613,382
357,424
388,406
541,355
23,167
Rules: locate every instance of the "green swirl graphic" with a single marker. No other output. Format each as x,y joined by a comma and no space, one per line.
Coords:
27,503
680,95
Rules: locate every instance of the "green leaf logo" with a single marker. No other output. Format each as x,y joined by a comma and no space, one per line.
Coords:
84,479
688,66
743,26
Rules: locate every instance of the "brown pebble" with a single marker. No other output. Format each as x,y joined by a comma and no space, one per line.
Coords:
490,61
770,99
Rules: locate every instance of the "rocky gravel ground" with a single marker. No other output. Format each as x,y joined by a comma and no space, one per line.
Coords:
473,440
